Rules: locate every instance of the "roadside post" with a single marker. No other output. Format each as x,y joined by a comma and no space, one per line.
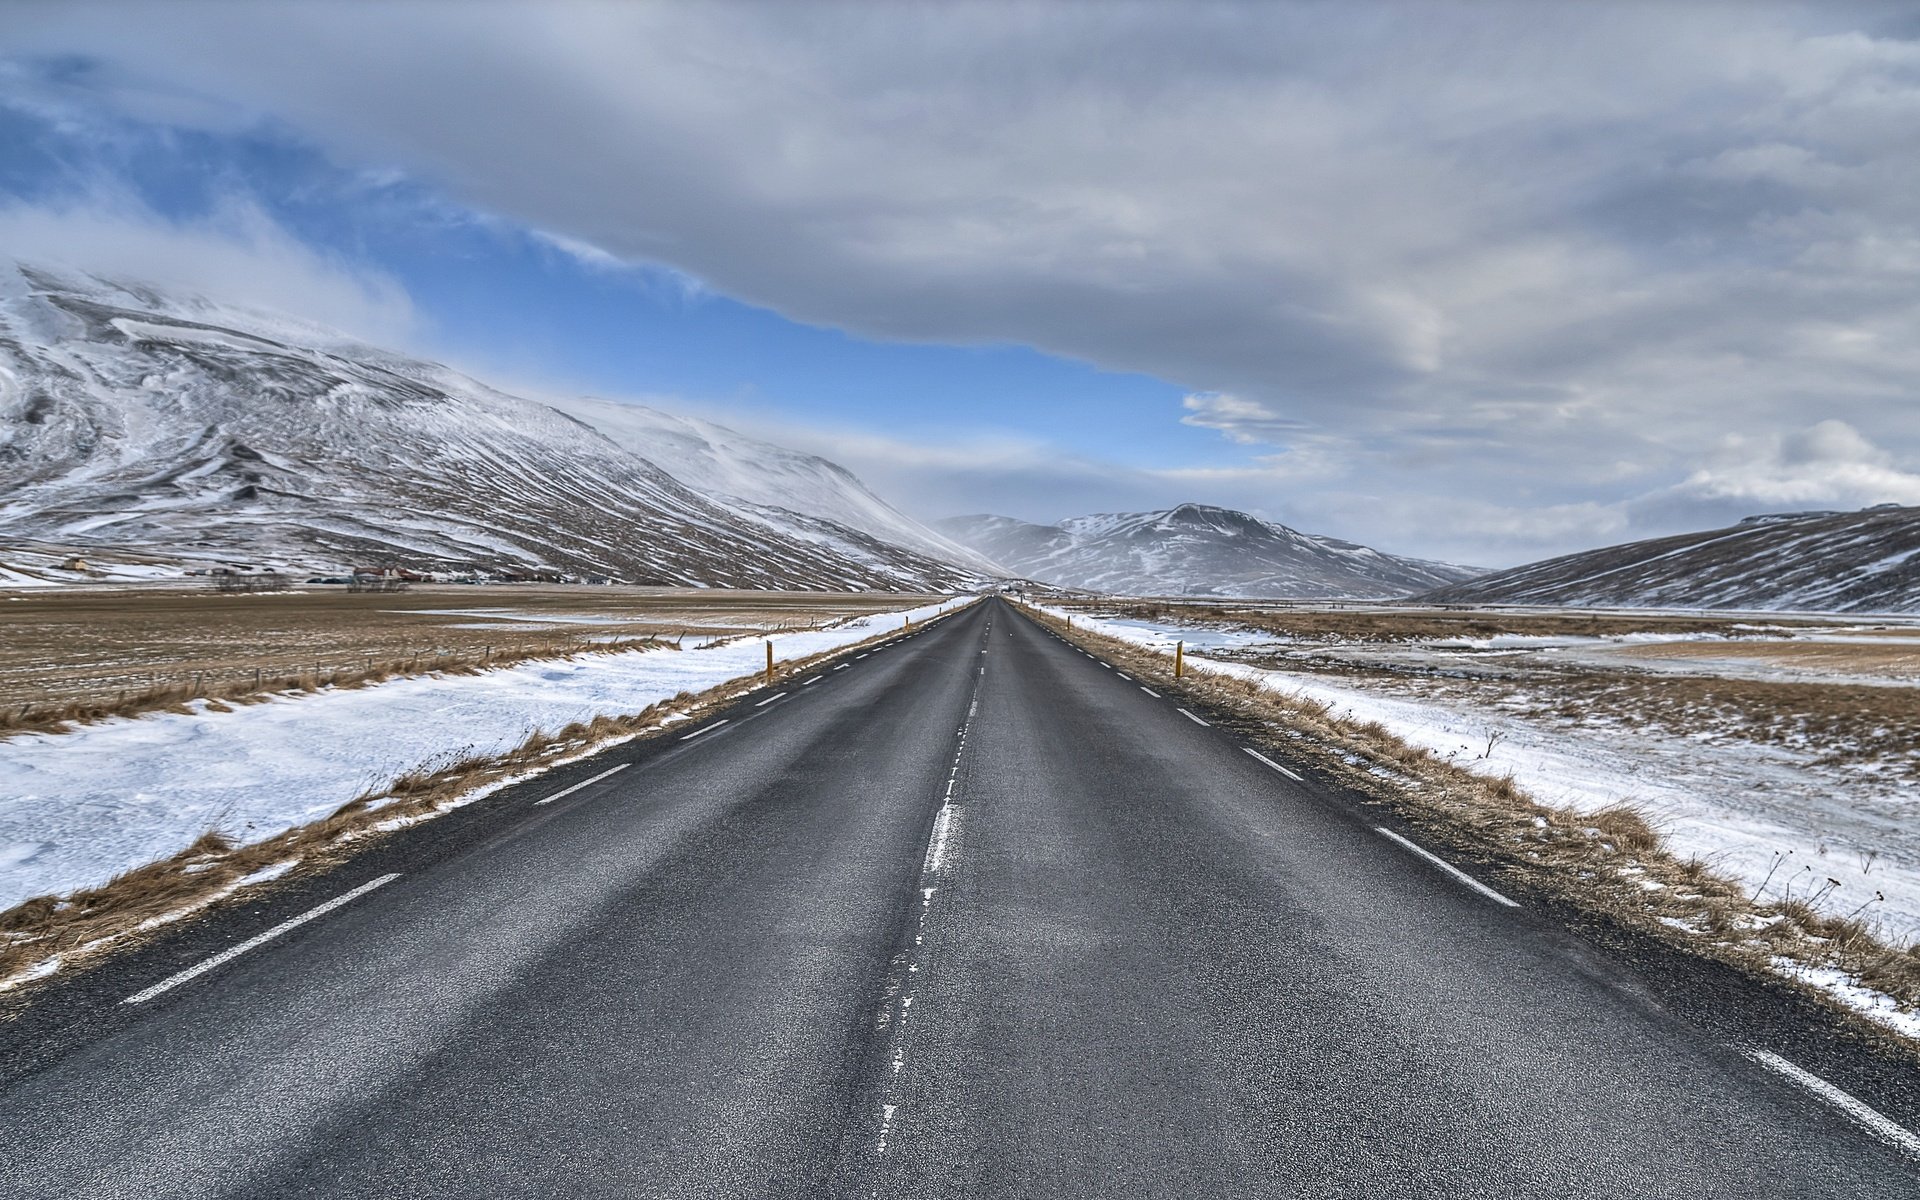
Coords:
769,662
1179,659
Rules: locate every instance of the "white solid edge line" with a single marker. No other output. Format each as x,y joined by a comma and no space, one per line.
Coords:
233,952
1189,716
771,699
814,680
708,729
1276,766
1861,1113
1448,867
1149,691
568,791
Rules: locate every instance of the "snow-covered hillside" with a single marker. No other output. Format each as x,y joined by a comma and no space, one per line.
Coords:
1195,550
131,420
719,462
1867,561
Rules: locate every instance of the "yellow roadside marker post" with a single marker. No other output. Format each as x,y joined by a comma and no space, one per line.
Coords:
769,662
1179,659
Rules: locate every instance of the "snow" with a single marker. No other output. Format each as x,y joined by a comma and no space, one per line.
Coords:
77,808
717,461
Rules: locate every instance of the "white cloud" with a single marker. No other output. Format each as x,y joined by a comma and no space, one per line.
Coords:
238,255
1828,464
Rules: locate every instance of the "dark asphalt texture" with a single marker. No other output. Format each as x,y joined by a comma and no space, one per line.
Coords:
975,916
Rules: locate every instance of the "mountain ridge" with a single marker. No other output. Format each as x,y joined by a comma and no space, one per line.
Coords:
1821,561
134,420
1195,549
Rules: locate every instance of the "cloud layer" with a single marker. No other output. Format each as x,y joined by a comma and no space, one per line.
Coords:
1487,279
238,255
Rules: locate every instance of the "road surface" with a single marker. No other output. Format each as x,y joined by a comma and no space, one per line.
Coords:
972,915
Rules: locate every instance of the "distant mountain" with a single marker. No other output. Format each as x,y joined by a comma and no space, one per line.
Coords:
1867,561
1194,550
197,434
720,462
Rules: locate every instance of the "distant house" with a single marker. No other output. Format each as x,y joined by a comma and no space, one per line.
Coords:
75,563
381,579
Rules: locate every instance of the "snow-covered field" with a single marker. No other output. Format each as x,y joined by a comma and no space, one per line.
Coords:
1770,815
77,808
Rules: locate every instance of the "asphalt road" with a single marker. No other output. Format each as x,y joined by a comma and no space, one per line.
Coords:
974,916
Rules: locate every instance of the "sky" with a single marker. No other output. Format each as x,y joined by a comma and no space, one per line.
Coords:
1476,281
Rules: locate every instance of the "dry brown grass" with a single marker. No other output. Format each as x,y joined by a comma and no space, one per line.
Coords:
1362,623
80,654
1889,659
79,928
1611,862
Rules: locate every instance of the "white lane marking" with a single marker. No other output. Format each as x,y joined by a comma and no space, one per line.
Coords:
937,844
1104,666
771,699
1189,716
568,791
1276,766
708,729
814,680
863,655
1149,691
233,952
1448,867
1858,1111
1126,677
843,666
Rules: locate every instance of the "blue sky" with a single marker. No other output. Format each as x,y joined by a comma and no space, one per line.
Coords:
1481,281
498,298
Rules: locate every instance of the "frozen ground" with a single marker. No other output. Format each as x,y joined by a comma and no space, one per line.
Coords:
77,808
1769,815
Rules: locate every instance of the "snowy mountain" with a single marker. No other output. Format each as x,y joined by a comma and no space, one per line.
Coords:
192,433
719,462
1867,561
1194,550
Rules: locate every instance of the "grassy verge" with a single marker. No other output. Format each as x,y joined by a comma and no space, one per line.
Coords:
174,696
50,934
1611,862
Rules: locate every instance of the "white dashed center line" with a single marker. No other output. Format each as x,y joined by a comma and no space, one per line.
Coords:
897,996
771,699
1189,716
707,730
